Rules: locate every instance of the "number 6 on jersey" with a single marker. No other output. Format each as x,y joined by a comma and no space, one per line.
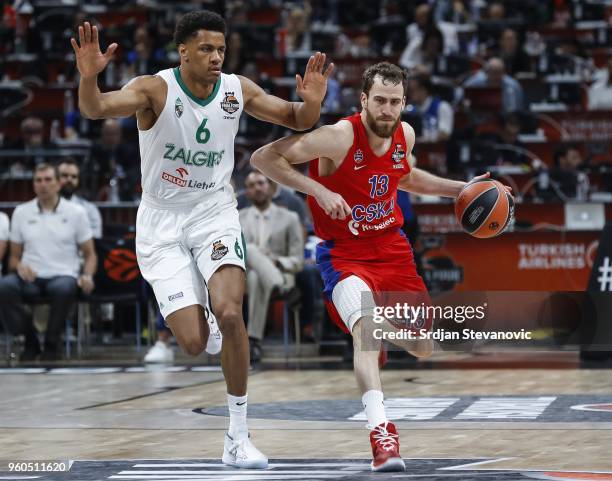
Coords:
203,134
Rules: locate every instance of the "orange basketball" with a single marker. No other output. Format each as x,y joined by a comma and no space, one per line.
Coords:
484,208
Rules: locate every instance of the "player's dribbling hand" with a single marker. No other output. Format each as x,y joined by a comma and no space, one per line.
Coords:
313,87
333,204
90,60
487,175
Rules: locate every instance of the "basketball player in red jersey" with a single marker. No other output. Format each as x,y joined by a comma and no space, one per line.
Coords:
360,162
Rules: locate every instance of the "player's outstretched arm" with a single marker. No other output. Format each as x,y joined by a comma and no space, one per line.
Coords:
275,161
422,182
91,61
295,115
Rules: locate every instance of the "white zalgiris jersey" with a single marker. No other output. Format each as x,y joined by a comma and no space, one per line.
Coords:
189,152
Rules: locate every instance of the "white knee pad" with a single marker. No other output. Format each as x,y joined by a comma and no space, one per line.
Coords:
353,299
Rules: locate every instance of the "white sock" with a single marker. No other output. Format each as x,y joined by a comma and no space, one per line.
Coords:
238,416
374,408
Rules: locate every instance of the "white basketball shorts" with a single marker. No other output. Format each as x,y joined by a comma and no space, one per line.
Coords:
180,247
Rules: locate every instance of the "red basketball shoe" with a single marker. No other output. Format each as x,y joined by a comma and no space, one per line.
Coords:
385,448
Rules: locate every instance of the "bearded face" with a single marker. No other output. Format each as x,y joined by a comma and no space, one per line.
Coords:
383,107
383,126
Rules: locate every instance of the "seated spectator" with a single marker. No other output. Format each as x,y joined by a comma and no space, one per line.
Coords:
69,177
144,58
424,22
358,45
46,235
494,75
496,12
275,253
600,93
565,180
32,142
514,58
508,148
297,38
436,114
453,11
235,57
113,157
283,197
424,53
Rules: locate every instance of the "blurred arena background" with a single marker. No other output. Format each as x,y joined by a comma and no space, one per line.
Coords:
520,88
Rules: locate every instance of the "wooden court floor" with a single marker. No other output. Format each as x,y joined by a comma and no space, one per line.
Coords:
460,424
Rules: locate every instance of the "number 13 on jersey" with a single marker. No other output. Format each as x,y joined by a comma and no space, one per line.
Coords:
379,185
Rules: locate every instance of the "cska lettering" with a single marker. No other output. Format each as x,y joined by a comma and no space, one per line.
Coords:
374,211
198,158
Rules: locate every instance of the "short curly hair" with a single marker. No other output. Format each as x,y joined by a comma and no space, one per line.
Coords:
191,22
388,72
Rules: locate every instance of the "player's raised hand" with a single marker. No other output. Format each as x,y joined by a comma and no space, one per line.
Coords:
90,60
333,204
314,85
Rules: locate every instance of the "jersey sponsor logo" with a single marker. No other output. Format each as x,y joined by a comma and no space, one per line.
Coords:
372,212
399,153
357,167
230,103
190,183
355,227
178,107
381,226
199,158
173,179
218,251
358,156
178,295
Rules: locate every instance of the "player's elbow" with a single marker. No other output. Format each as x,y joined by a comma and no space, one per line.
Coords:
257,158
89,112
300,125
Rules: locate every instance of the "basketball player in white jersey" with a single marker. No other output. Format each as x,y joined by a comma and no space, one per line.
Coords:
188,238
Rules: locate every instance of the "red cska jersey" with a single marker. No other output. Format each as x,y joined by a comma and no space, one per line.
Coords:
368,183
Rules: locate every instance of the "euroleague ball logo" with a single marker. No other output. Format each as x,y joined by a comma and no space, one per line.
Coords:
121,266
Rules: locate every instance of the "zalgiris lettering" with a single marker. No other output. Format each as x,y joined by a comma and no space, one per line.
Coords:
198,158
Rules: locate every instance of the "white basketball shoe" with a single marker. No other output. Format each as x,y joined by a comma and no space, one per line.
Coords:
242,454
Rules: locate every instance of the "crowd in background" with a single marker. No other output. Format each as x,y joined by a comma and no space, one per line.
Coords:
480,74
